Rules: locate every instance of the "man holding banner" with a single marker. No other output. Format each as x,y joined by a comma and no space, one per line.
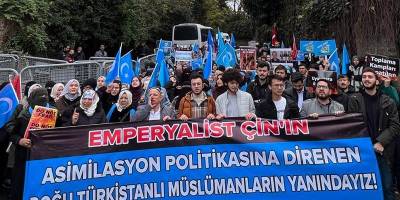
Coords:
382,120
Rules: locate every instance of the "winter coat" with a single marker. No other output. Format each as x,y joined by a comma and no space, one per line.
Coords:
97,118
389,126
313,106
185,106
244,101
267,109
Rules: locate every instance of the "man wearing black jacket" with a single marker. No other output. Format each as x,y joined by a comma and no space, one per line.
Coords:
259,87
297,92
382,120
275,106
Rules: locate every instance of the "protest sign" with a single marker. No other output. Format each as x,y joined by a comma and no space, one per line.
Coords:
41,118
281,54
384,66
248,58
183,55
318,47
202,159
314,76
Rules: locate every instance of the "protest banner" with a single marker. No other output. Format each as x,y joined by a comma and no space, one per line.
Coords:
41,118
318,47
281,54
183,55
314,76
384,66
202,159
248,58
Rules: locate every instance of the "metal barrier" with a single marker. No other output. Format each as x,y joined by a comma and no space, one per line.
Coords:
60,73
33,61
101,58
7,74
9,61
144,61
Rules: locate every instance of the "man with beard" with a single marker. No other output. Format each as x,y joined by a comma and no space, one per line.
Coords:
382,121
234,102
196,104
322,103
259,87
298,93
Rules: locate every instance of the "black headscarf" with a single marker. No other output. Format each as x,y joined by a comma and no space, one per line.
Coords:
38,97
136,93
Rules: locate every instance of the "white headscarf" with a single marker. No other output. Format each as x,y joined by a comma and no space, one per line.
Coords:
129,95
53,93
90,94
33,87
66,93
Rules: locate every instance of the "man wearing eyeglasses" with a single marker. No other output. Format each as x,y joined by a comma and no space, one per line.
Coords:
275,106
322,103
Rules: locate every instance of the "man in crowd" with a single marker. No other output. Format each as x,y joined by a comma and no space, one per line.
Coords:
297,93
303,69
382,120
101,52
322,103
275,106
280,70
343,84
154,109
234,102
196,104
259,87
79,55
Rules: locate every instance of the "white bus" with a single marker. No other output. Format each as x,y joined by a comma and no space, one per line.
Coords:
189,33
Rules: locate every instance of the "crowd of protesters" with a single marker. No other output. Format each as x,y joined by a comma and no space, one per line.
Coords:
272,94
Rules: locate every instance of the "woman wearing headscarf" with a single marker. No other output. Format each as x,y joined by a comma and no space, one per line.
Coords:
69,98
136,88
123,110
16,128
89,111
112,97
55,93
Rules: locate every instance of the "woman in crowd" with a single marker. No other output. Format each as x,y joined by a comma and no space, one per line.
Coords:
136,88
89,111
16,128
55,93
219,87
123,110
69,99
355,71
111,97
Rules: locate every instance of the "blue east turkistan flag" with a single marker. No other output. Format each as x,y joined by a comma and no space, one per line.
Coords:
114,71
334,62
196,48
197,63
345,60
210,47
137,68
233,41
227,56
8,103
221,43
126,72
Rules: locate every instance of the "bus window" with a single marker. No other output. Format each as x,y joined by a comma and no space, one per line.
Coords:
185,33
204,35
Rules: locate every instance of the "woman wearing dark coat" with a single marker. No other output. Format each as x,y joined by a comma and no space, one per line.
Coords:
16,128
136,88
111,98
89,111
69,99
122,111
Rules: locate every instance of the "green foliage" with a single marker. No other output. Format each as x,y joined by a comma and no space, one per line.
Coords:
30,18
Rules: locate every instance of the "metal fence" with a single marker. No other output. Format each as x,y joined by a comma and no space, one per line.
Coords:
7,74
145,61
9,61
101,58
33,61
60,73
